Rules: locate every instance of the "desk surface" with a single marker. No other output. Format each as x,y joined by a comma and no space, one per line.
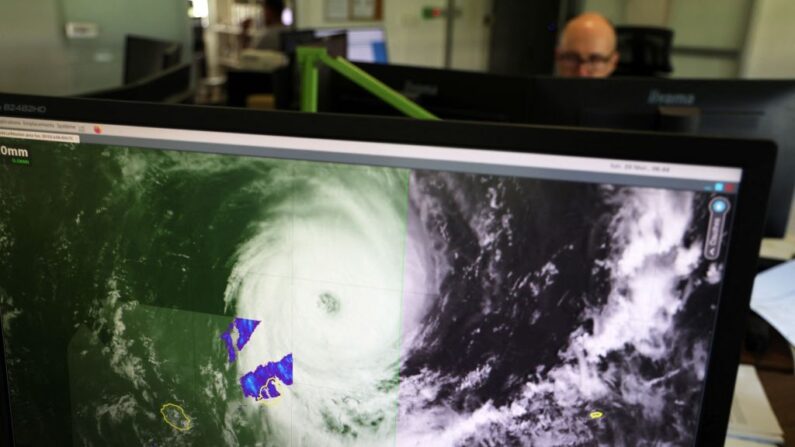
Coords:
775,368
780,390
781,249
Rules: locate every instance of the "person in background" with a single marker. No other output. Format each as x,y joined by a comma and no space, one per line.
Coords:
269,40
587,47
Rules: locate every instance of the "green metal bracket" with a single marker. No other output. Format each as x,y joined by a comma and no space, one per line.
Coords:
308,59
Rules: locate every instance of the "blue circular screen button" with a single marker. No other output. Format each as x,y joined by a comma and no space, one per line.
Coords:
719,206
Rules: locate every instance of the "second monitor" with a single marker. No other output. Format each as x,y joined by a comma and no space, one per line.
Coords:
145,57
759,109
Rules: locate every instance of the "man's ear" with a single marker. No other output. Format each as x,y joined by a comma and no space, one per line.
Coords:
614,58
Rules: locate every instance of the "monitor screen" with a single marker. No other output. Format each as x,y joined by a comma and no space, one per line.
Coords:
171,286
364,44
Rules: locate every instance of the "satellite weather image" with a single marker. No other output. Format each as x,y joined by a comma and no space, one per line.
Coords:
169,298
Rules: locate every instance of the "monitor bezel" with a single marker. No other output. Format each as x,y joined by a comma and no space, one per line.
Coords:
755,158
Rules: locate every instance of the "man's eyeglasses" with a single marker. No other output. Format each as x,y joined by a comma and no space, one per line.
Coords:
593,61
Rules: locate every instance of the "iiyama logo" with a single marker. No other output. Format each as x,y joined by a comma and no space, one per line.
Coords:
14,152
24,108
659,98
414,91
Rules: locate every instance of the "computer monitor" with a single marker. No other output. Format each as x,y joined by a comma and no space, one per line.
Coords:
172,85
286,83
174,275
145,57
364,44
449,94
289,40
762,109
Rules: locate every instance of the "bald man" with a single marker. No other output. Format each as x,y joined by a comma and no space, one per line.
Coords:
587,47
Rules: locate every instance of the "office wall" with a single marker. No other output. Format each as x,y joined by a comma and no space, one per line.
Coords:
45,61
32,48
770,48
615,10
704,66
472,35
100,62
713,24
709,34
412,39
312,14
646,12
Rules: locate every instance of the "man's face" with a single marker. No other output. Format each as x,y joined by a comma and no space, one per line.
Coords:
586,50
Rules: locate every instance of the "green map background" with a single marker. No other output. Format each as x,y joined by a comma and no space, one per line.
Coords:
115,266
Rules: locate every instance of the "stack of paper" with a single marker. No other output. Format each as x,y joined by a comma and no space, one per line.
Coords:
752,420
773,298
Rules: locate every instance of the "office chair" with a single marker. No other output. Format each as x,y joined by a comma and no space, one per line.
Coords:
645,51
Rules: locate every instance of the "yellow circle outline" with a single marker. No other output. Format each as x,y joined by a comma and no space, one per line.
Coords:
181,411
596,415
